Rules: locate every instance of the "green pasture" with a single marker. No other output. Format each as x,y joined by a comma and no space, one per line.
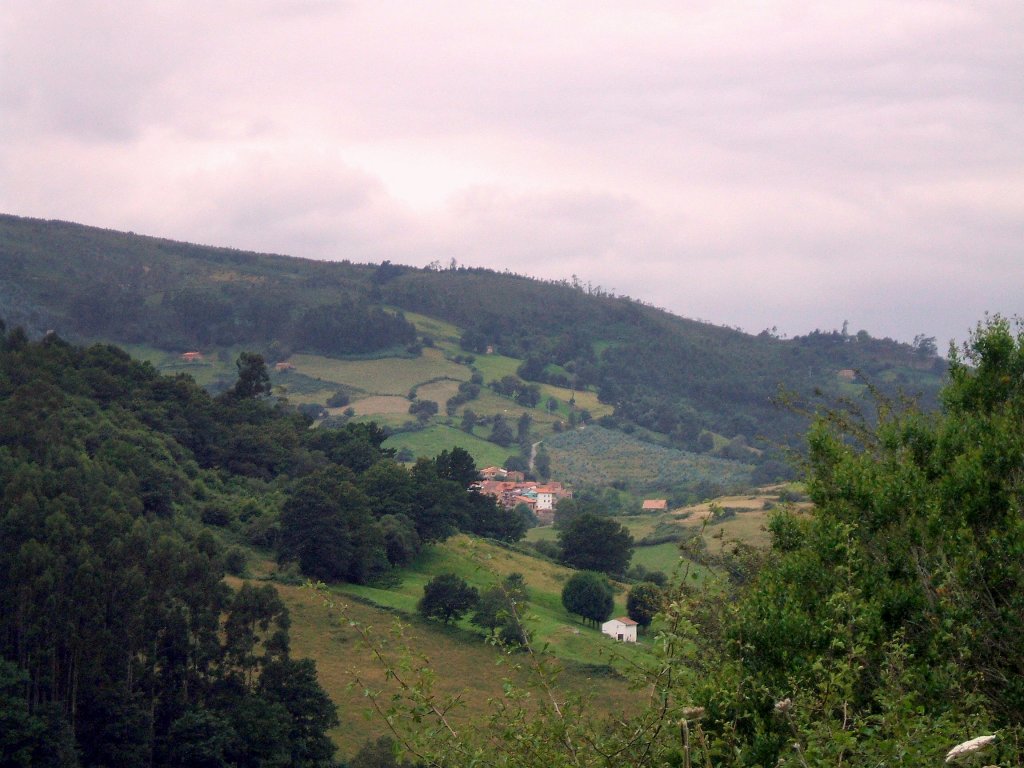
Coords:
205,371
438,330
388,376
495,366
438,391
483,564
440,437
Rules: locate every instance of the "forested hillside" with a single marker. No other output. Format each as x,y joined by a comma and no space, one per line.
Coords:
125,497
677,381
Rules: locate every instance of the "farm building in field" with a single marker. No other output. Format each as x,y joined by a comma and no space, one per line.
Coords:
655,505
622,628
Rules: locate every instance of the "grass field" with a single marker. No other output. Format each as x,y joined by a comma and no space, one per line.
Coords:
495,366
747,525
482,564
438,391
464,663
432,440
387,405
660,557
205,371
746,522
438,330
389,376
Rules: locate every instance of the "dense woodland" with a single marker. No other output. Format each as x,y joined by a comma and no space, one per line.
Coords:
667,377
122,494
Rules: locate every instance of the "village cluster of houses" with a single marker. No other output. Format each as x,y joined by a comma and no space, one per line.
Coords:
512,489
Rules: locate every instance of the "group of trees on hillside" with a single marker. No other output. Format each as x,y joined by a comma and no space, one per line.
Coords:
500,610
120,643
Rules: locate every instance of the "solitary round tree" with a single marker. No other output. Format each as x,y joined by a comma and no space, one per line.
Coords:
589,595
594,543
643,602
447,597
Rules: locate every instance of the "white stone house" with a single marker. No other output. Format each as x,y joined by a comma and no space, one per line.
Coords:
545,498
623,629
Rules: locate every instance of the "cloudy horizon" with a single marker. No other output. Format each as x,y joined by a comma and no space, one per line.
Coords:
755,165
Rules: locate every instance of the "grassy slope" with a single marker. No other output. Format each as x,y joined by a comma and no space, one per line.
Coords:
483,564
466,665
433,440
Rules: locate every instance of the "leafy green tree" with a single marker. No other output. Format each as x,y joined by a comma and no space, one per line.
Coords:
469,420
487,518
523,429
516,463
253,379
326,526
356,446
339,399
458,465
440,507
389,487
200,738
423,409
401,542
595,543
501,432
589,595
542,463
502,609
447,597
20,731
292,684
527,515
643,602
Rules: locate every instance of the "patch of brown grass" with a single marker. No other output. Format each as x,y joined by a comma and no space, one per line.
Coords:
385,405
438,391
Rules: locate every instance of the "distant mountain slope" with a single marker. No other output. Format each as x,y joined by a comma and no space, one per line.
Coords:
678,381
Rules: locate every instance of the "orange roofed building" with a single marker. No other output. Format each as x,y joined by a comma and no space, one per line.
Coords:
539,497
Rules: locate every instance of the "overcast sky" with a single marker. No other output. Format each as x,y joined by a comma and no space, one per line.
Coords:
752,164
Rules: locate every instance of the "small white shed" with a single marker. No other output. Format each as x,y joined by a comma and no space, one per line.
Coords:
622,628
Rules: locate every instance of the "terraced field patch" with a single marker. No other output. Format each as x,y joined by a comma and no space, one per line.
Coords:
390,376
440,437
377,405
593,454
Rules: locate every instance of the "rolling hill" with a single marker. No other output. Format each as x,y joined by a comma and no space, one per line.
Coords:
376,338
